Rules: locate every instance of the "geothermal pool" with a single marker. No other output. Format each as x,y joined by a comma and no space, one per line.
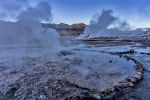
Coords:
26,73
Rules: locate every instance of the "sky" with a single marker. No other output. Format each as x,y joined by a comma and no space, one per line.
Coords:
136,12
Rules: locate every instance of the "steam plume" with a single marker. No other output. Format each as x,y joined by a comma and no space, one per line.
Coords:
106,25
28,31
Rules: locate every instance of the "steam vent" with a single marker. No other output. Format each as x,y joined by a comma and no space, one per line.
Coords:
74,50
69,75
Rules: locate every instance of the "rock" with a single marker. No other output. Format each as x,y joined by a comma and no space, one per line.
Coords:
108,90
83,96
132,79
65,53
65,29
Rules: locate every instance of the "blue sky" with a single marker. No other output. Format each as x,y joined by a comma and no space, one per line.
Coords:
136,12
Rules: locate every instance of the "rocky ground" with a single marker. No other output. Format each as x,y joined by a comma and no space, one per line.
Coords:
139,52
70,75
141,91
83,71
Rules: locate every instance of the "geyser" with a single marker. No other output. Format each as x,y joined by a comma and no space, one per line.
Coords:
28,31
106,25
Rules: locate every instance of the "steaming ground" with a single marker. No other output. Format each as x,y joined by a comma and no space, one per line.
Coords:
107,25
121,38
27,31
141,53
39,73
26,69
34,64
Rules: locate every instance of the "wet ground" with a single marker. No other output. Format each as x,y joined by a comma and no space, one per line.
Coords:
78,72
140,52
26,73
142,90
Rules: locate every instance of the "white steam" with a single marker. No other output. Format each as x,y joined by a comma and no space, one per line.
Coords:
28,31
42,12
106,25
